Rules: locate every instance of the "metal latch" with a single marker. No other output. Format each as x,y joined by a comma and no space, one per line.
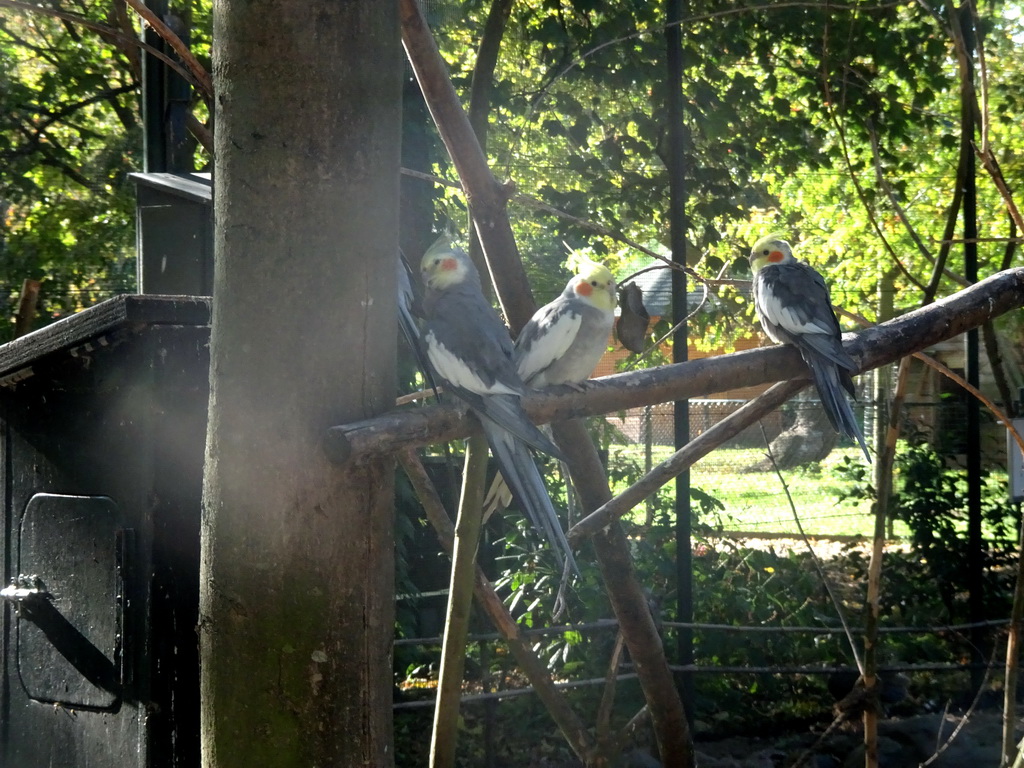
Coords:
26,590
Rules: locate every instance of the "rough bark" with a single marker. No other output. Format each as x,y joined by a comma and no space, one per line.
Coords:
296,575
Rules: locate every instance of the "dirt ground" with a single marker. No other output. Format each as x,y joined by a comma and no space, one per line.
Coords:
903,743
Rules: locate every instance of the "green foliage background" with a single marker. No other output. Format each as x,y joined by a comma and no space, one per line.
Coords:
827,122
783,104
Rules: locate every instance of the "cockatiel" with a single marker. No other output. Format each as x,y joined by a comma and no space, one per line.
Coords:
564,340
794,307
408,311
562,344
470,348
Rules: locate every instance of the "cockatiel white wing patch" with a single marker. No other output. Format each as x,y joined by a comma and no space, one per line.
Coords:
546,341
790,319
455,370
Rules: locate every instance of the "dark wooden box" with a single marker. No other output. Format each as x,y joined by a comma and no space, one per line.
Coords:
174,233
103,420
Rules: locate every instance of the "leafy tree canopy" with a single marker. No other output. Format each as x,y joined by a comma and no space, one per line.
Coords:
838,125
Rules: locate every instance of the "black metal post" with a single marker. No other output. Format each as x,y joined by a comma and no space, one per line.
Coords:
166,101
972,442
154,97
681,408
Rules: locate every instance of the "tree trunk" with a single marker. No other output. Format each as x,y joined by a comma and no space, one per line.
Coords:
296,593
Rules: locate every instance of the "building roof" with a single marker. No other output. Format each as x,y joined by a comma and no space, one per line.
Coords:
657,287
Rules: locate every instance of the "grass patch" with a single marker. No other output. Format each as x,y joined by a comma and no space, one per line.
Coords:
755,500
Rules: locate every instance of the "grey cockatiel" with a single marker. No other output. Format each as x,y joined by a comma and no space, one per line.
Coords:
470,348
409,309
794,307
563,342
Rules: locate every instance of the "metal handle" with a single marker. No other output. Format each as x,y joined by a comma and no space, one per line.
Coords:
26,589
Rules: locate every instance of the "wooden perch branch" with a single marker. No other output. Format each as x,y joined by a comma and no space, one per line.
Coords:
685,457
486,196
873,347
572,728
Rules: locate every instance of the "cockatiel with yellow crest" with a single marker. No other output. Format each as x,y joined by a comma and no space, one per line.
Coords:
794,307
564,340
562,343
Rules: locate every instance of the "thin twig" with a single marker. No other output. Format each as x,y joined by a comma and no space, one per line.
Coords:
876,156
883,494
1013,640
862,195
826,582
977,393
983,72
603,720
808,753
107,31
991,165
967,715
625,733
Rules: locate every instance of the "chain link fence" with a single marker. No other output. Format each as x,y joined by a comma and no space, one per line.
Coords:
822,471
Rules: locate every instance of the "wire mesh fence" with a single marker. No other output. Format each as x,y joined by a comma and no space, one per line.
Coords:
822,471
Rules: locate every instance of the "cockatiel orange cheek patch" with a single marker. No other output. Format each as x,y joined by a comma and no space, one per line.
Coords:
584,289
776,256
449,264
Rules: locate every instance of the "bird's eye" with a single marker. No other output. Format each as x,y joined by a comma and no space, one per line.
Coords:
765,252
594,283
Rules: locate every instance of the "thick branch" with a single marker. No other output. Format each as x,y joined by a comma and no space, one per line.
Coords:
873,347
861,193
487,198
